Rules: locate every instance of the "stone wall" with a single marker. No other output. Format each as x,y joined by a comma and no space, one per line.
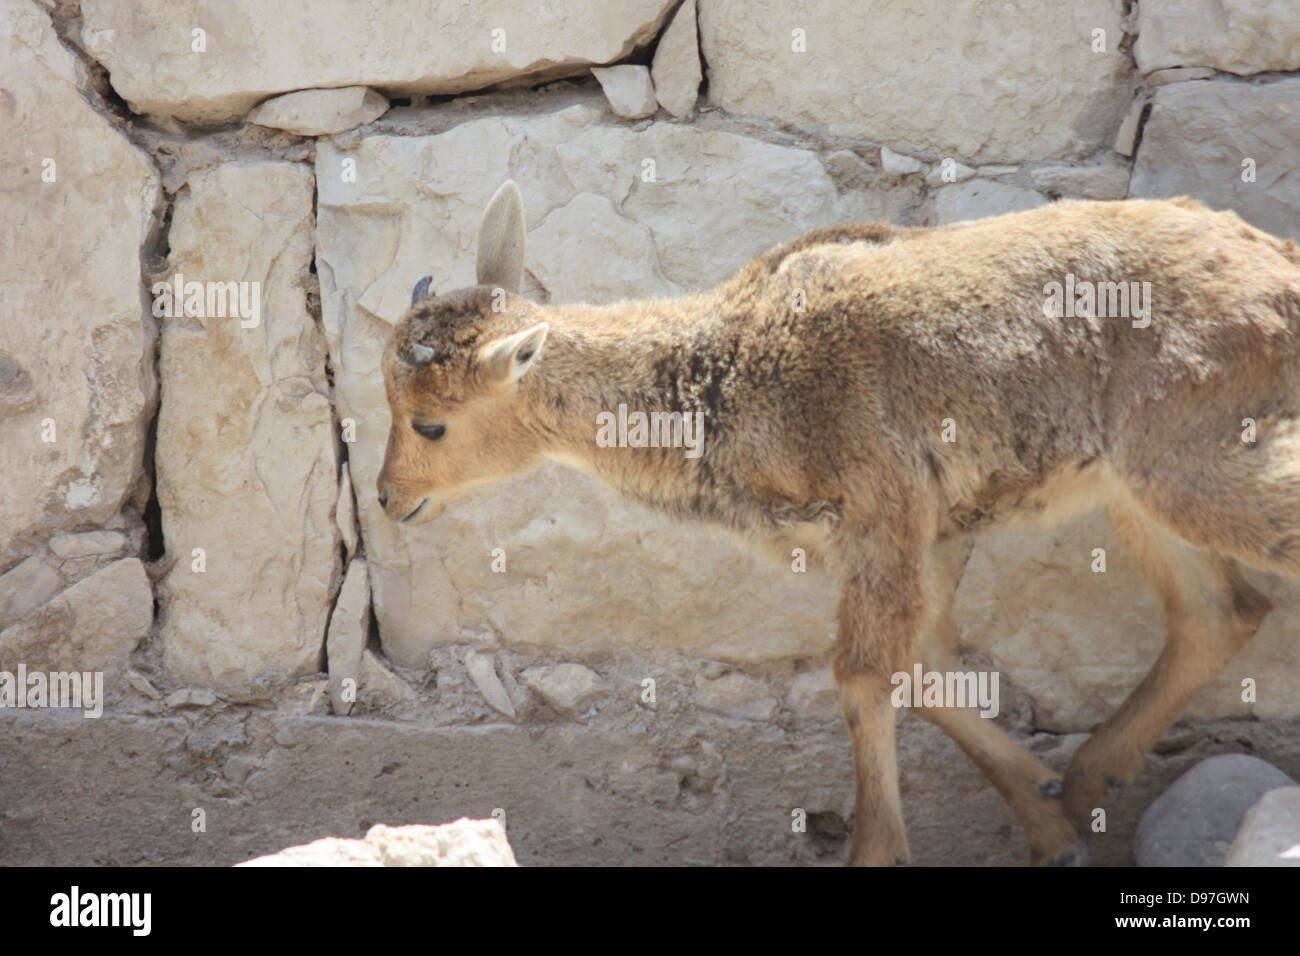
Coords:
188,499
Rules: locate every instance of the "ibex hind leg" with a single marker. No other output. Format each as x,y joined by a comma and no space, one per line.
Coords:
1211,612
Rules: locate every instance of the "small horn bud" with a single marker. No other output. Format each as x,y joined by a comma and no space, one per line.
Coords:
421,354
421,290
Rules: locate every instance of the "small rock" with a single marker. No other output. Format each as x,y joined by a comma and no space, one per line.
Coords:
998,169
949,172
1179,74
143,685
349,629
482,671
378,687
87,544
896,164
191,697
1126,136
676,67
816,694
320,112
628,88
848,167
735,695
566,687
1270,832
25,587
1193,822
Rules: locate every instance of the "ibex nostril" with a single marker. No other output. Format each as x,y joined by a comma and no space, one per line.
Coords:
383,499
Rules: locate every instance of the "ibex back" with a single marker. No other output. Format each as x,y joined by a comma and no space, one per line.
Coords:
879,394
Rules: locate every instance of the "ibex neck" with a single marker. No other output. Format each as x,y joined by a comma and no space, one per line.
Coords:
621,394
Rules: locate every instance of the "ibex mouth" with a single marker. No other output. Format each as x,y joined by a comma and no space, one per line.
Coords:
416,510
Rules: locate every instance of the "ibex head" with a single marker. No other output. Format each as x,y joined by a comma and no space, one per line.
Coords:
450,370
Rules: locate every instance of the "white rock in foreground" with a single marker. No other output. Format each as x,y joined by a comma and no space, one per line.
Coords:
465,842
1270,832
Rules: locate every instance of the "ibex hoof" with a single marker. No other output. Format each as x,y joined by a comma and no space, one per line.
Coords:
1077,855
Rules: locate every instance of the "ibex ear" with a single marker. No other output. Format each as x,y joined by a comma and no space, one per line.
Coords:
506,360
501,240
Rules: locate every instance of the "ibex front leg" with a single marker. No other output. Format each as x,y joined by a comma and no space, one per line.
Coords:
882,612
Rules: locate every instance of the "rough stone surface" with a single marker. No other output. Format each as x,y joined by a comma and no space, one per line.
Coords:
1270,832
896,164
1179,74
87,544
92,626
735,695
27,586
676,68
979,198
1199,135
320,112
348,631
1104,181
379,689
1235,36
629,90
245,456
1193,823
567,687
76,339
1027,85
419,47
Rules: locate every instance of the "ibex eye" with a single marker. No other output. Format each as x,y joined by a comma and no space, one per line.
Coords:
431,432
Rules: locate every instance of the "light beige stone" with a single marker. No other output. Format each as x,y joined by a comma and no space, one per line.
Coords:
949,171
1235,36
87,544
245,454
735,695
814,693
320,112
1104,181
378,687
1179,74
567,687
1026,84
981,197
92,626
676,68
1206,140
1270,832
896,164
345,513
628,89
76,342
403,47
481,666
349,629
27,586
1126,135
